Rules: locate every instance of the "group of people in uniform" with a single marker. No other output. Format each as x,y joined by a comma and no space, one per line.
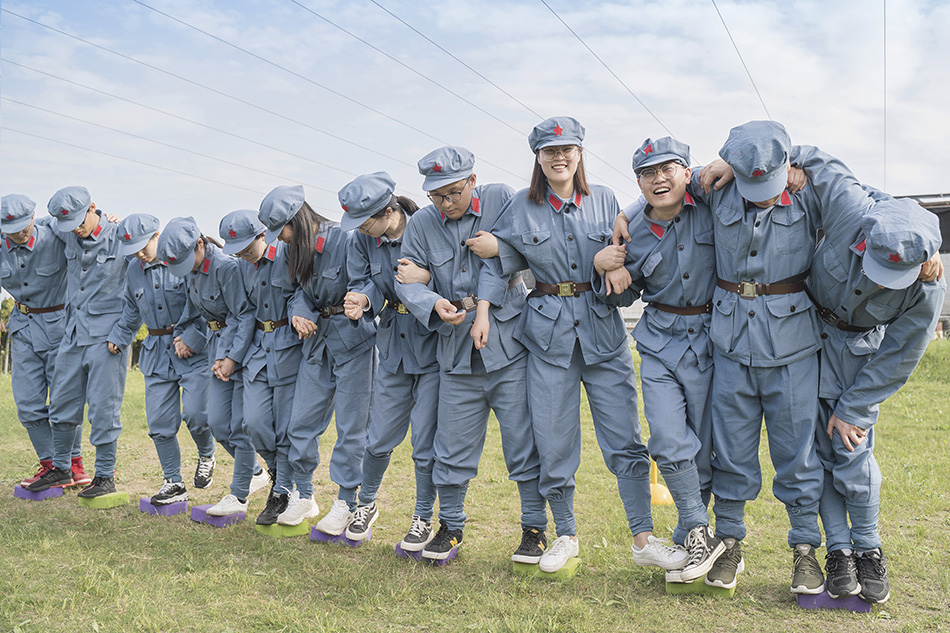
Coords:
401,319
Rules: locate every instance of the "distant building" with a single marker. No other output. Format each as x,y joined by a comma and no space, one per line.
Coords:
939,205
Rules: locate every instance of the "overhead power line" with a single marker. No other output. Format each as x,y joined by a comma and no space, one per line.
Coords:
735,46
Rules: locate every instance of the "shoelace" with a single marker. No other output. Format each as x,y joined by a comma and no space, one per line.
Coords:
361,515
834,564
558,548
874,561
419,527
697,547
340,510
166,487
808,563
205,466
730,558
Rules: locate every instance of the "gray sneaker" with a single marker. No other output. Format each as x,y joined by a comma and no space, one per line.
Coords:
704,548
872,573
806,572
363,519
729,565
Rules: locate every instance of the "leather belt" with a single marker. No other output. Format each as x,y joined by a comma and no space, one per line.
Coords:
706,308
160,331
751,290
28,310
466,304
215,325
561,288
833,319
398,307
329,311
270,326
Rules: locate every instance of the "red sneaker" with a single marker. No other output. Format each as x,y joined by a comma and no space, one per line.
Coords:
80,478
45,465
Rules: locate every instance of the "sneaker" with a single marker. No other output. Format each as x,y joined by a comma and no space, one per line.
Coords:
170,492
298,510
276,503
842,572
100,486
533,544
45,465
79,474
52,478
806,572
258,481
337,519
363,519
564,548
872,574
227,506
656,553
728,566
445,542
419,535
703,548
204,473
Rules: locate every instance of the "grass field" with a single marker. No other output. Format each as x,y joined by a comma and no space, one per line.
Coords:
67,568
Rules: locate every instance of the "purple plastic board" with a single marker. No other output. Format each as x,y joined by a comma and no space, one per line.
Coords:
171,509
406,554
453,554
323,537
200,515
50,493
824,601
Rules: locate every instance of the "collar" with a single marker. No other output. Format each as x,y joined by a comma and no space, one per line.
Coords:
475,208
559,204
784,200
859,245
271,253
205,265
28,246
149,265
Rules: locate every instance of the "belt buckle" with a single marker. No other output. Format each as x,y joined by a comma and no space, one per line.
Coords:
565,288
468,303
401,309
214,326
747,290
268,326
22,308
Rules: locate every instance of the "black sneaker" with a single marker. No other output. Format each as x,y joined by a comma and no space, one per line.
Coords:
170,492
204,473
99,486
704,548
276,503
533,544
363,519
872,574
420,533
728,566
52,478
444,543
841,574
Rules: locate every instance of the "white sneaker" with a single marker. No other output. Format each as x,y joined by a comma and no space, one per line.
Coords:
337,519
656,553
228,505
298,510
562,550
258,481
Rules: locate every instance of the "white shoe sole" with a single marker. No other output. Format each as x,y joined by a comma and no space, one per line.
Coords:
739,569
689,574
168,502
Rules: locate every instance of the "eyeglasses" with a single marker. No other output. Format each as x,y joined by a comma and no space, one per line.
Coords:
452,197
551,153
364,227
649,174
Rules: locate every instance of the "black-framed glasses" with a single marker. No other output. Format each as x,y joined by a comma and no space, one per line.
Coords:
454,196
667,170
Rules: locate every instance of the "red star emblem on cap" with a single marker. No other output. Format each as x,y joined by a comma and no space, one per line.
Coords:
10,216
170,258
894,257
127,237
757,173
232,233
558,130
648,150
437,168
64,212
345,208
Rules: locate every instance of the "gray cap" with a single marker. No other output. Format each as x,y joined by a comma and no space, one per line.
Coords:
176,245
660,151
446,165
758,152
238,229
17,213
135,231
278,208
364,196
561,130
69,206
900,236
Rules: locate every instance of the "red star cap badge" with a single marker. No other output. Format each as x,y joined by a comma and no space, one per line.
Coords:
437,168
648,150
171,258
10,216
894,257
757,173
128,238
232,233
558,130
64,212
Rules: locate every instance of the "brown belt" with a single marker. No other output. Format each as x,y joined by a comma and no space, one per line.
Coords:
215,325
329,311
28,310
398,307
270,326
561,288
466,304
833,319
751,290
706,308
160,331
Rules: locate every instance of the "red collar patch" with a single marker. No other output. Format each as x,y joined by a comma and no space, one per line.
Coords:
577,200
8,242
206,266
688,199
860,247
476,205
96,231
657,229
785,199
555,202
32,241
321,241
271,252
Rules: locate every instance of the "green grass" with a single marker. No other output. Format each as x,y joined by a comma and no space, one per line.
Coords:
66,568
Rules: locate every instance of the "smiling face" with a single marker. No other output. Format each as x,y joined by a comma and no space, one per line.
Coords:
664,185
559,164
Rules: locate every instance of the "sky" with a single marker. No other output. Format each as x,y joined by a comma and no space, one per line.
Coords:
200,107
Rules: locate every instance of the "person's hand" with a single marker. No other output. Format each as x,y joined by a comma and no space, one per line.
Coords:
931,269
112,218
224,369
182,350
616,281
797,179
484,244
305,327
448,313
113,348
715,175
851,435
354,304
409,273
481,326
621,231
609,258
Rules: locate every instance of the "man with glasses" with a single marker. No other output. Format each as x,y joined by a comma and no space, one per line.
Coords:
479,373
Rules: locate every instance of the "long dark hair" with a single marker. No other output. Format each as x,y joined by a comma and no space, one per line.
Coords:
398,203
210,240
537,192
305,224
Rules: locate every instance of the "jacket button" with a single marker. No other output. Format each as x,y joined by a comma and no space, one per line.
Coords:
265,305
576,323
857,292
573,266
754,253
168,347
751,313
719,303
685,275
680,247
267,350
824,335
570,238
677,219
263,283
402,335
156,286
689,304
792,308
464,269
535,240
690,330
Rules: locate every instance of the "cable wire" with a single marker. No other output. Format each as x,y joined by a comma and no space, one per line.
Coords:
735,46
